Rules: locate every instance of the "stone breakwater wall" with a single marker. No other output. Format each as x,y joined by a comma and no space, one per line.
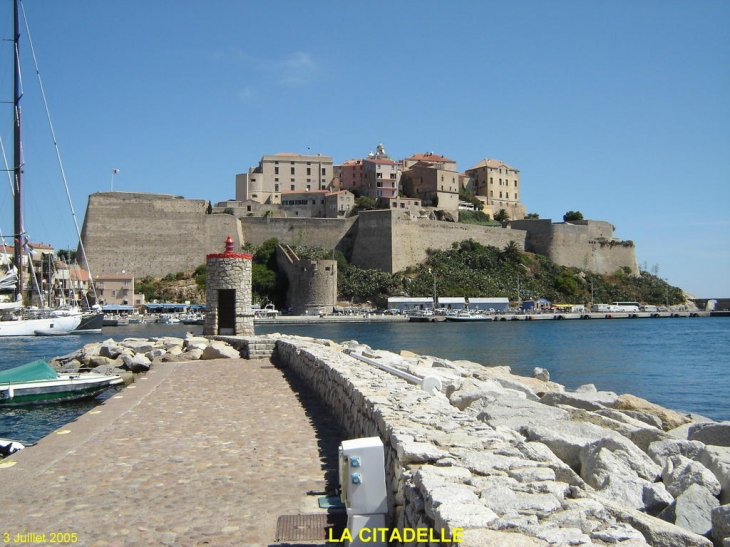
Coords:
513,461
521,461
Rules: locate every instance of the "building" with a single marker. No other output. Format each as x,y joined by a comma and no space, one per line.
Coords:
376,176
412,205
434,181
339,204
497,185
117,289
308,204
429,158
284,172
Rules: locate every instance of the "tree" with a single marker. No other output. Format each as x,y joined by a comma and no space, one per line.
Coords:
364,203
572,215
532,215
67,255
501,216
512,253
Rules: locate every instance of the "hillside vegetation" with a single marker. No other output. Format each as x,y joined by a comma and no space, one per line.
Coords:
472,269
467,269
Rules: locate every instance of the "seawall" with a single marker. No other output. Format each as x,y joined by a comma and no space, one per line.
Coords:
515,461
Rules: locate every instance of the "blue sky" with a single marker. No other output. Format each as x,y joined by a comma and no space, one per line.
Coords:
616,109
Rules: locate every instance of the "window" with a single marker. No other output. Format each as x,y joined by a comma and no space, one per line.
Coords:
277,179
491,180
293,170
324,171
276,170
309,170
292,187
276,187
308,187
500,194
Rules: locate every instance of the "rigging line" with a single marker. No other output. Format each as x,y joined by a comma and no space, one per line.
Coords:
58,153
7,167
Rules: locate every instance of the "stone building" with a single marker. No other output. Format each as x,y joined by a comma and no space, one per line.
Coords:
228,293
433,182
376,176
497,185
312,283
284,172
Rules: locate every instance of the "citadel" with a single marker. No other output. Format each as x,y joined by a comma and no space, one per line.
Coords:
308,200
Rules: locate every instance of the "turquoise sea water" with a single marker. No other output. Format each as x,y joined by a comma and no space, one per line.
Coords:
680,363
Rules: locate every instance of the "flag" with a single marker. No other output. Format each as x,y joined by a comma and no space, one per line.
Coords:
115,171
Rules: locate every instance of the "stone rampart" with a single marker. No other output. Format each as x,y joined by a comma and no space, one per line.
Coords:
312,283
586,244
151,234
392,240
325,232
499,465
155,234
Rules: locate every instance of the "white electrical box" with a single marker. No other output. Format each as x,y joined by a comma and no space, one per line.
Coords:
362,476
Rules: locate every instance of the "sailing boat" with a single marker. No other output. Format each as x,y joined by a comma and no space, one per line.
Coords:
24,321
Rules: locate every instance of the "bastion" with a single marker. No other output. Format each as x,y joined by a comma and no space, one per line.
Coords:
157,234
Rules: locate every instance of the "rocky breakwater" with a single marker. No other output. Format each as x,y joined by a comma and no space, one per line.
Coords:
136,355
510,460
516,461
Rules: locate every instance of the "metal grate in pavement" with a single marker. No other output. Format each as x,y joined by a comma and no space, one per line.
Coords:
310,527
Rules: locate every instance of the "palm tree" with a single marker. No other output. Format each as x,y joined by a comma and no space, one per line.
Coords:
512,253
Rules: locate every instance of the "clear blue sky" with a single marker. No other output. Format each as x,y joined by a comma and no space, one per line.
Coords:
617,109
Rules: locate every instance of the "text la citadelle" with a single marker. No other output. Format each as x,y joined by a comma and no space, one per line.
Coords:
421,535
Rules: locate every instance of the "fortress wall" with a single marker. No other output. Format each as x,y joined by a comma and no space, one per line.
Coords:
586,244
151,234
391,240
574,246
539,234
326,232
373,245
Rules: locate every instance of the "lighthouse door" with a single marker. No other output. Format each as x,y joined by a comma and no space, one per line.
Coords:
227,311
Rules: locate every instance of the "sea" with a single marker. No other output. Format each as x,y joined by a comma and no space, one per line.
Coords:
680,363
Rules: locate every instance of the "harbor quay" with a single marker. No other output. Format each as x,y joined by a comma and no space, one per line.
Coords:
219,451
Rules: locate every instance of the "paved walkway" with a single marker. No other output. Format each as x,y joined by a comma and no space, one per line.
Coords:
198,453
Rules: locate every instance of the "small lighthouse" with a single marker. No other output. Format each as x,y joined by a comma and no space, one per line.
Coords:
228,293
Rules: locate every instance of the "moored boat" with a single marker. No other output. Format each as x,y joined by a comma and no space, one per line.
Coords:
465,316
38,383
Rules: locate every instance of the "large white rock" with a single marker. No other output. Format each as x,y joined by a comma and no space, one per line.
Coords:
720,518
660,451
515,412
680,473
567,439
716,434
472,390
692,510
717,460
584,399
656,532
220,350
136,362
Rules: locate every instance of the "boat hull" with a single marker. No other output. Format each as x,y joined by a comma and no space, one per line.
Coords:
64,388
473,319
27,327
90,323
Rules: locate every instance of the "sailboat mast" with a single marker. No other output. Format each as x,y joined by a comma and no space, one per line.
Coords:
17,169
